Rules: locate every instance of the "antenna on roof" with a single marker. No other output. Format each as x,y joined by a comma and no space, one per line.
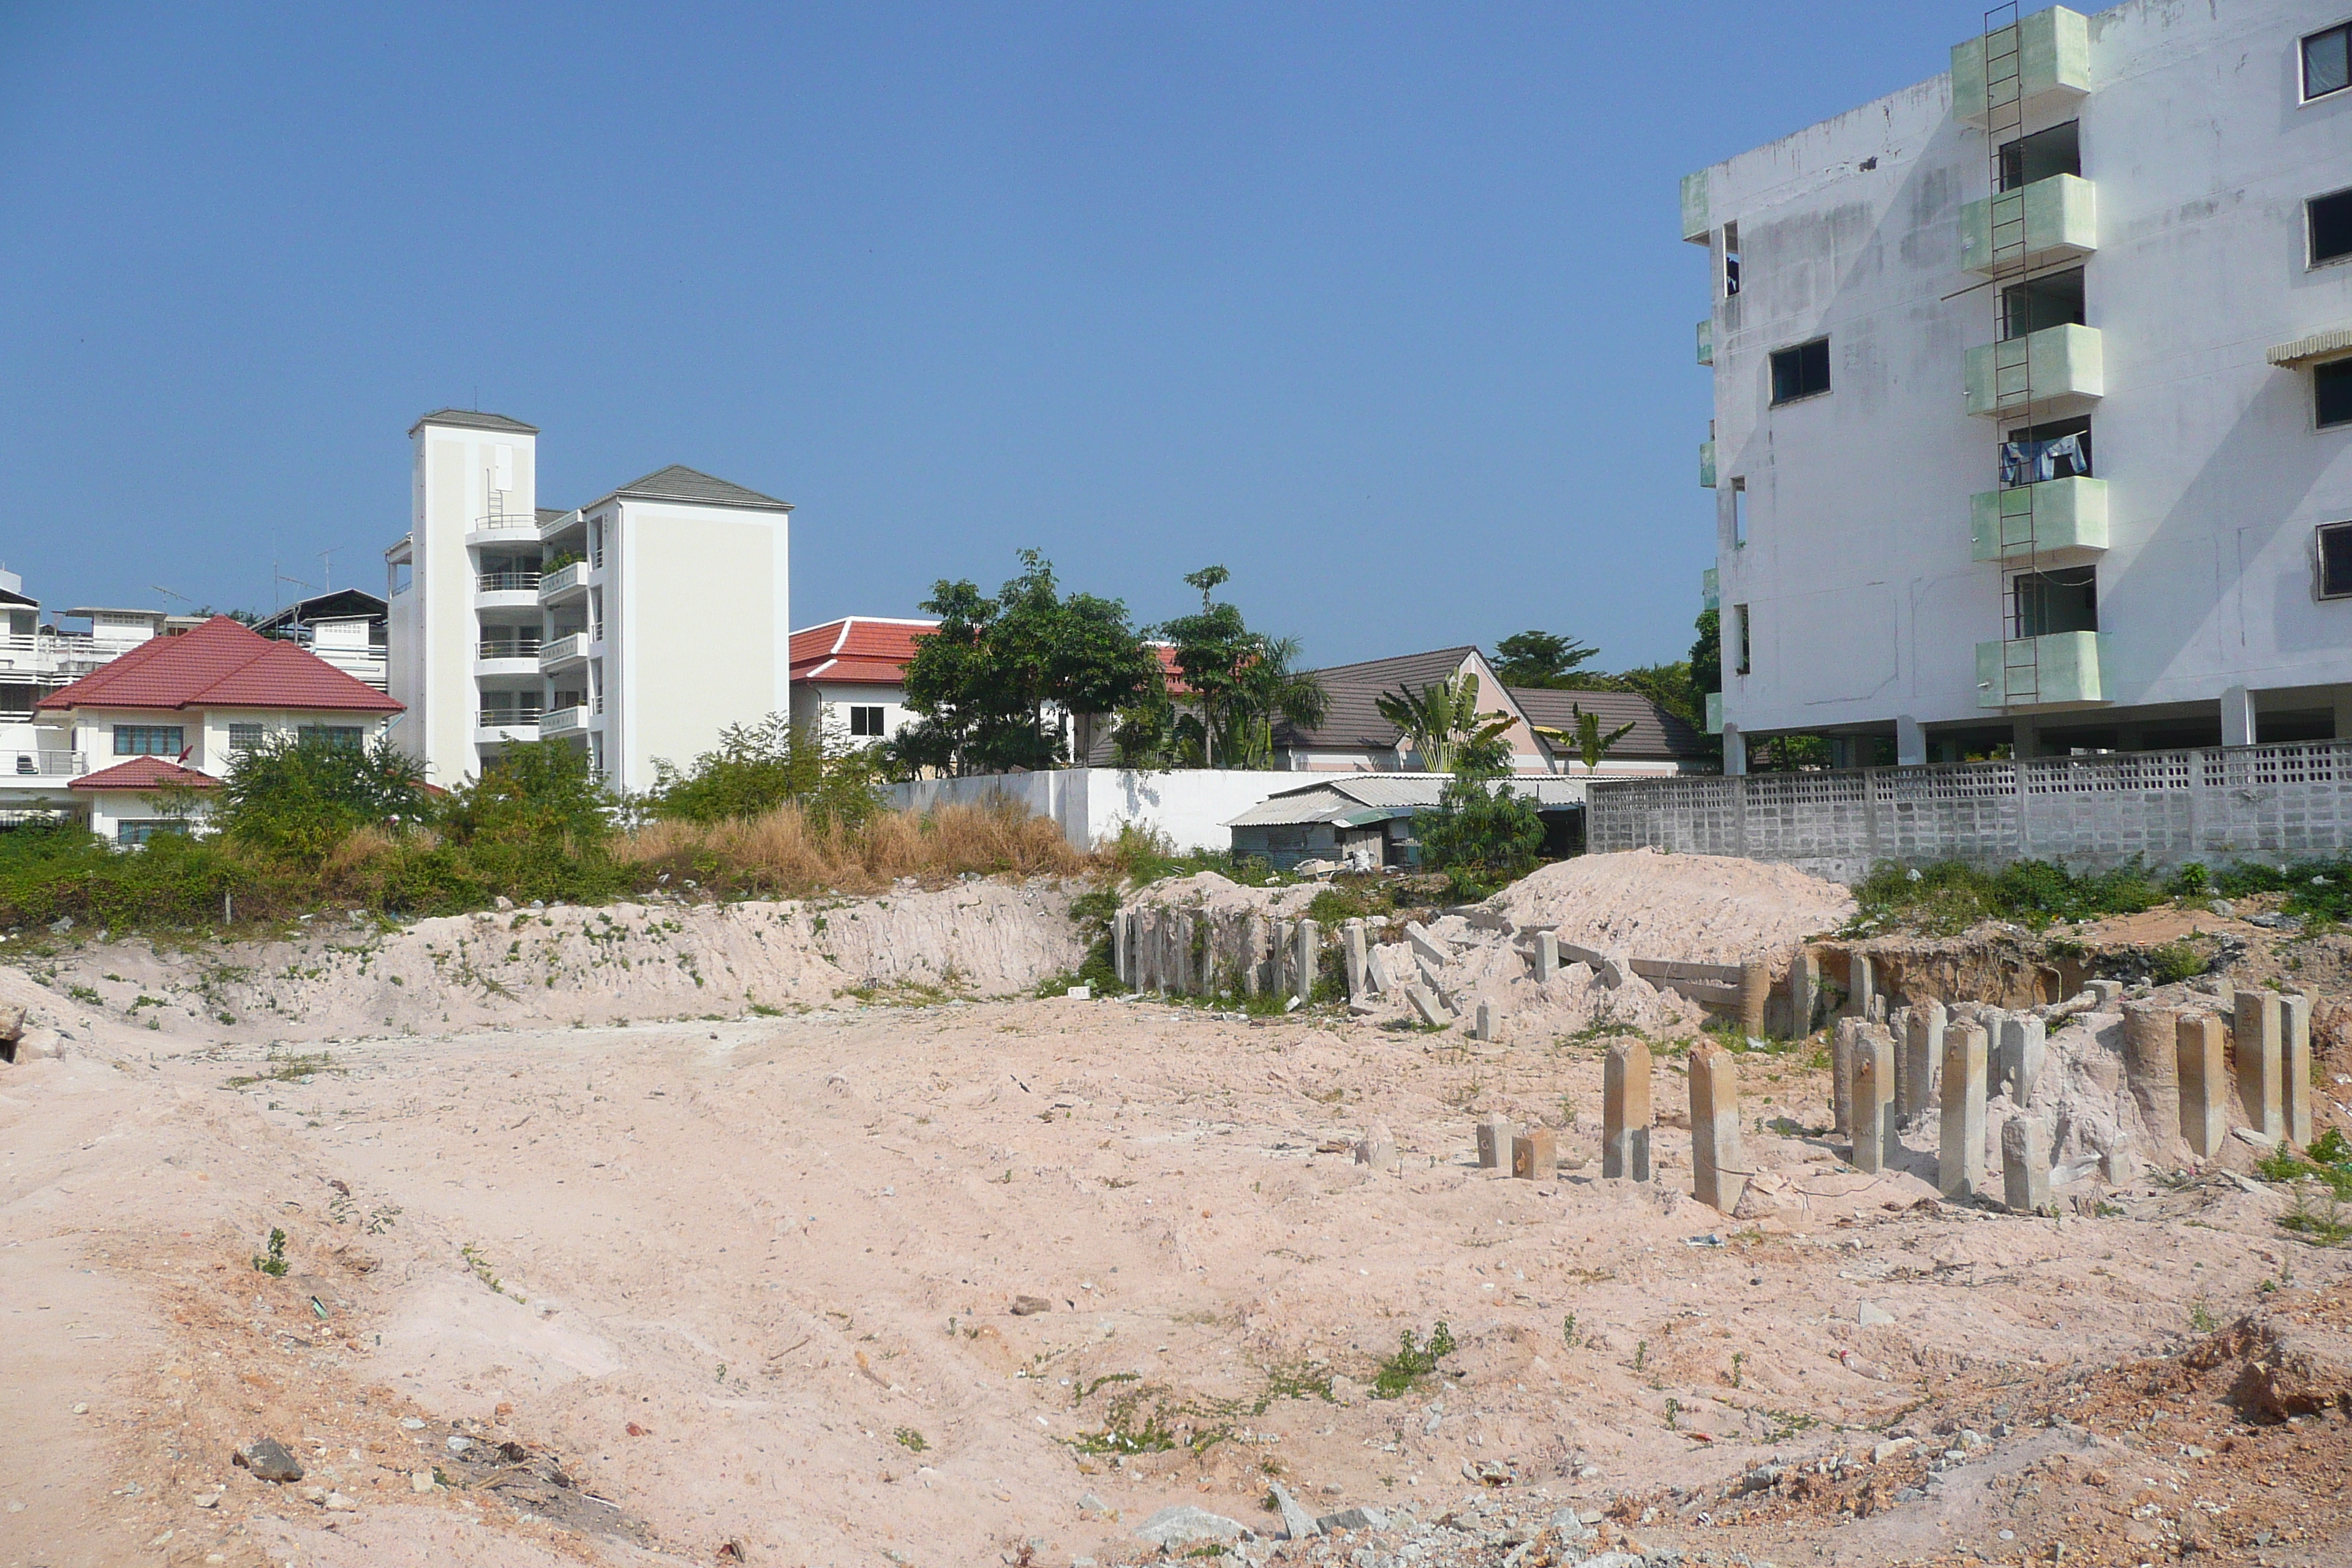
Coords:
327,575
158,588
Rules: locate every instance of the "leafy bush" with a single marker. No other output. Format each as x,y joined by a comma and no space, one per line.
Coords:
1947,896
2174,963
1482,837
1143,856
303,795
1411,1362
758,767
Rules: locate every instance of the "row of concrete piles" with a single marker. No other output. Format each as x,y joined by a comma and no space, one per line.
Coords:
1198,952
2182,1066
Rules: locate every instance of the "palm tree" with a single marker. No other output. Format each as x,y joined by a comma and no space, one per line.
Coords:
1441,719
1585,737
1271,684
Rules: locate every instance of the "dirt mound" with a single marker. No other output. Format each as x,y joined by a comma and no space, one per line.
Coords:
1699,909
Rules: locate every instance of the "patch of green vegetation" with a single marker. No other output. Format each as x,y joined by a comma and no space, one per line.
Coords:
909,1439
1352,897
1147,1418
297,1069
2200,1318
900,993
86,994
1947,896
480,1267
1413,1361
274,1265
2327,1224
2174,963
2328,1160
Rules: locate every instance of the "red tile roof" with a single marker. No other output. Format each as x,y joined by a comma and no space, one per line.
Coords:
145,773
219,664
867,650
857,651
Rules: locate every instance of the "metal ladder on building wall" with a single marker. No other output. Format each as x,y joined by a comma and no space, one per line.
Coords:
2004,86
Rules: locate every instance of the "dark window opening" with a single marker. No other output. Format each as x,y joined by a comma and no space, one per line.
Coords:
1730,259
1800,372
2327,61
2331,392
2335,561
2062,600
1739,513
2331,228
1741,663
2059,449
149,740
2057,151
865,722
2054,300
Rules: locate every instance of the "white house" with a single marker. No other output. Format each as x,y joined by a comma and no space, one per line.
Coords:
635,627
173,712
2033,395
849,676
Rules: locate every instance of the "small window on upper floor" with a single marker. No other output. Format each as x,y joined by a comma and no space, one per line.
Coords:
2327,62
344,735
149,740
247,737
1800,372
2332,578
2057,151
2330,219
1730,259
865,721
2331,394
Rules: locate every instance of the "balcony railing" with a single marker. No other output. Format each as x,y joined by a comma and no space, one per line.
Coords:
563,650
509,719
2054,219
510,648
2037,519
558,720
2031,673
71,656
508,582
505,522
42,765
564,579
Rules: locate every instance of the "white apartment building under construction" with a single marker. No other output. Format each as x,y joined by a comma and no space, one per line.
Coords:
635,627
2033,395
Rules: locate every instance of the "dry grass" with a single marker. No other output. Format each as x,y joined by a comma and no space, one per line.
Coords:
783,854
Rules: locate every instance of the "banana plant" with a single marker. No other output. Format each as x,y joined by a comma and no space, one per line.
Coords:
1441,719
1584,737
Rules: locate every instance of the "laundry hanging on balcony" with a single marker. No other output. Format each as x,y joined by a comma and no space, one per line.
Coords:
2031,462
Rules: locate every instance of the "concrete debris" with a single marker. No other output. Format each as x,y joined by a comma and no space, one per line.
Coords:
1182,1525
269,1459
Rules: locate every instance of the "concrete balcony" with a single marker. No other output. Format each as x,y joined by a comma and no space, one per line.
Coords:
2039,64
2058,370
506,590
36,765
1710,590
2050,220
1707,342
556,722
1707,465
563,650
1714,712
497,727
2060,669
568,583
2044,519
507,656
503,528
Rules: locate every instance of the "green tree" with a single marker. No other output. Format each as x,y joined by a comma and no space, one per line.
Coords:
756,768
1707,655
303,794
1540,658
535,822
1482,834
1238,682
1442,718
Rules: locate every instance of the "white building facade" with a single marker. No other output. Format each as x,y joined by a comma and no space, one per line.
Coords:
2033,396
635,627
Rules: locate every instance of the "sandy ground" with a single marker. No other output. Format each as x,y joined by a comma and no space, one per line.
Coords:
741,1289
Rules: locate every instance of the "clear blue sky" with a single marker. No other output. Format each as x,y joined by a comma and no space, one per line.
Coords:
1384,308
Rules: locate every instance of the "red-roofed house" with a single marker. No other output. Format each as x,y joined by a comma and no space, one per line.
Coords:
175,711
853,673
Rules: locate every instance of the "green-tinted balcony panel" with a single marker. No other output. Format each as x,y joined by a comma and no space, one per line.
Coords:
1707,465
2042,63
1695,223
1707,342
2045,368
1710,593
2037,672
2026,520
2050,220
1714,712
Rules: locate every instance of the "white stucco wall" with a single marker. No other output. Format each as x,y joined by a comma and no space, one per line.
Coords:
1091,804
1864,605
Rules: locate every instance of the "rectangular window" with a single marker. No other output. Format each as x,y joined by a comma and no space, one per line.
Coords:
1730,259
2060,449
349,735
246,737
865,722
2331,228
1739,513
1800,372
2335,561
1740,663
130,835
2057,151
2063,600
2331,392
149,740
2053,300
2327,62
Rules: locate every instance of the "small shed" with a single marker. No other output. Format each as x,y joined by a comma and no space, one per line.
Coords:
1364,821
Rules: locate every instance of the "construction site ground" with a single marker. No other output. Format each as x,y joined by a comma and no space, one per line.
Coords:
978,1281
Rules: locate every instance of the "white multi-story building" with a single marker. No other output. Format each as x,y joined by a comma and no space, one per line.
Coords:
2033,395
636,627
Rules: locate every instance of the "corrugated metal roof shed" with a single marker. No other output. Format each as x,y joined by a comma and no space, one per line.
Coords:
1357,800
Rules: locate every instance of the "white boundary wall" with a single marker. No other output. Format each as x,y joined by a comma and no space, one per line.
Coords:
2243,803
1190,807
